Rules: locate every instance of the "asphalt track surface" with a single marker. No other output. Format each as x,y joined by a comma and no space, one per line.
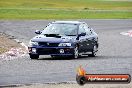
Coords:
114,56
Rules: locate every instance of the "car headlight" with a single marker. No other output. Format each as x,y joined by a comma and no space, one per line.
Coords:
64,44
32,43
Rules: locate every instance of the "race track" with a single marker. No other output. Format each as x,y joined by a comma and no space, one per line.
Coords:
114,56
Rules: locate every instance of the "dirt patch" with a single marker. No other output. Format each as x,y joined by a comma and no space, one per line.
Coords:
7,42
9,48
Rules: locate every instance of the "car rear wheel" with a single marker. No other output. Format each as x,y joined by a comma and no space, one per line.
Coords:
75,53
94,51
34,56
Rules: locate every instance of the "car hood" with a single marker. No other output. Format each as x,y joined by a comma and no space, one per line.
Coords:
43,38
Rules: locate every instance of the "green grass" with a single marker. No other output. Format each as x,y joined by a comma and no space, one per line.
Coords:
60,14
74,4
65,9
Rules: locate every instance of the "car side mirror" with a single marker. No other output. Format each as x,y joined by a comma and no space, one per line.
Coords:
82,34
38,32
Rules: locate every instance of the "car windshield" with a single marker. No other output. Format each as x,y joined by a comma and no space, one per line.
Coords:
61,29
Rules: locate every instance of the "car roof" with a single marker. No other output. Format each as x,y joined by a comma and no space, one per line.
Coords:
69,22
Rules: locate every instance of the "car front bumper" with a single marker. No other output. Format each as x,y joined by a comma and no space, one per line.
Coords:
56,51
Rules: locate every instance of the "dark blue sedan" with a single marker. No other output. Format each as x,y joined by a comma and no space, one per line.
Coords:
64,38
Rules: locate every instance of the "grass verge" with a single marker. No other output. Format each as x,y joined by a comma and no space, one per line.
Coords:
63,14
65,9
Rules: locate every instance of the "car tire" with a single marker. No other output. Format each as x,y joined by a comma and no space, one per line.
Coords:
34,56
75,53
94,51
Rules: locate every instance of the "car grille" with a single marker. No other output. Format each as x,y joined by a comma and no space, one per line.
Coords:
48,44
47,51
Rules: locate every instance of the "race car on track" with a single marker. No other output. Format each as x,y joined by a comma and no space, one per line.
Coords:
64,38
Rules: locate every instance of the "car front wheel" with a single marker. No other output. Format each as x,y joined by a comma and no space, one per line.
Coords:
34,56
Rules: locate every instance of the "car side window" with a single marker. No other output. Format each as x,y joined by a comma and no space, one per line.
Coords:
81,29
87,29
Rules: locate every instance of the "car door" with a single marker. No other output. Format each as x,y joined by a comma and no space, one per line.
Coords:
82,39
89,38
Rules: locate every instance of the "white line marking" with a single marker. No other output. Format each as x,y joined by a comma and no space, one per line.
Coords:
127,33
